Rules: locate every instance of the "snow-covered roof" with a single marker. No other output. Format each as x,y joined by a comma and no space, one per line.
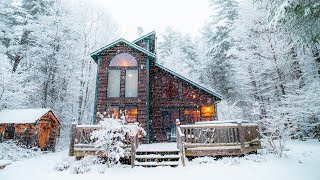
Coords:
22,116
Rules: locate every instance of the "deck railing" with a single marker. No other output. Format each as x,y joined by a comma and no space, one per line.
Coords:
210,135
81,143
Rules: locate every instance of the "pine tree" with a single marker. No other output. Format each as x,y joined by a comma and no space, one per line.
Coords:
216,35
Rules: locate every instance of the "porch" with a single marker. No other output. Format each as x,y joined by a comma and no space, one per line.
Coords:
213,138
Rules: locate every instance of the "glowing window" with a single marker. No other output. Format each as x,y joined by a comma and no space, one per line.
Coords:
131,113
124,60
207,111
112,111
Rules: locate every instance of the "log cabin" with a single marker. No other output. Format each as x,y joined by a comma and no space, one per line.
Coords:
30,127
132,84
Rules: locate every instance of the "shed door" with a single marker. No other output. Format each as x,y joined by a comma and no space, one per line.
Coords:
44,134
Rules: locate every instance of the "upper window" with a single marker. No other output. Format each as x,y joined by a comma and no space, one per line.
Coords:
131,87
114,83
123,60
122,67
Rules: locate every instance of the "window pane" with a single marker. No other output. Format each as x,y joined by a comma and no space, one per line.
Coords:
191,116
131,83
123,59
207,112
112,111
113,83
131,114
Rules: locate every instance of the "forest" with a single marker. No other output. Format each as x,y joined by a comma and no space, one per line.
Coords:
263,56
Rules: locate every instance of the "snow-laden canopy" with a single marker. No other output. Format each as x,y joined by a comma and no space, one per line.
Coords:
22,116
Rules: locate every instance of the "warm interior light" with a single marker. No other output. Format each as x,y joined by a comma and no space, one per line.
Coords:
130,75
207,111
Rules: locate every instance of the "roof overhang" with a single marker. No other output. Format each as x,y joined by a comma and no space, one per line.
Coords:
153,33
98,52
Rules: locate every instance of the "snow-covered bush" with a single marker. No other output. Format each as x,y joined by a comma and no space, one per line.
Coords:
84,165
65,163
110,138
275,133
9,150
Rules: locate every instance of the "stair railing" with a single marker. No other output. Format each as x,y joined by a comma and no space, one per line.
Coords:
134,141
180,142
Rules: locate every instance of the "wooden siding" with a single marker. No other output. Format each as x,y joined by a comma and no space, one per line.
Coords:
157,101
180,102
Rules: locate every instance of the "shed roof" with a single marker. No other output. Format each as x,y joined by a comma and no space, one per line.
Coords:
22,116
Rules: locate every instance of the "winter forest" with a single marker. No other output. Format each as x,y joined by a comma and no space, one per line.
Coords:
262,56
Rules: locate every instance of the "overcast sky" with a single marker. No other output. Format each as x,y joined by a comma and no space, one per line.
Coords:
187,16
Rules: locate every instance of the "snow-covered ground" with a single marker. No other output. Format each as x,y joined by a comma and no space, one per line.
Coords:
301,161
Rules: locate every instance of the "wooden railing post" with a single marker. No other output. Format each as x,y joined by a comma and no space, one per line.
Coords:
72,136
177,133
134,145
241,136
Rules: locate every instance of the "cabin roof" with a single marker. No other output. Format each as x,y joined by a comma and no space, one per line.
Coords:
22,116
153,33
96,53
212,92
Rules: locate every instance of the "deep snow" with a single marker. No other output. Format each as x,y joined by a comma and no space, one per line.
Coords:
301,161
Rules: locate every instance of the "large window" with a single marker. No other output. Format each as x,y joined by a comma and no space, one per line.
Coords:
131,89
121,65
114,83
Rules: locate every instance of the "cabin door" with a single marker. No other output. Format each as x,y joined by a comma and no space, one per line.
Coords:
169,117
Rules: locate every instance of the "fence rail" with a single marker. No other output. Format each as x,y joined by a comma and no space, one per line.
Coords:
220,138
82,144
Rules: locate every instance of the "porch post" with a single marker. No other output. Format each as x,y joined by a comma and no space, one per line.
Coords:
148,96
94,120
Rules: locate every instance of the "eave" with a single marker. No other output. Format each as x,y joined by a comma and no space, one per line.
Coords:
98,52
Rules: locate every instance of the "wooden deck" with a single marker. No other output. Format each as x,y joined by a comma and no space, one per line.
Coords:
232,138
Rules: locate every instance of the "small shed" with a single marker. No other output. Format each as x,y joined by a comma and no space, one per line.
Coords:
30,127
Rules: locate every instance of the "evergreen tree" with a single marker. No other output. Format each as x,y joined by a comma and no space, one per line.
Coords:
216,34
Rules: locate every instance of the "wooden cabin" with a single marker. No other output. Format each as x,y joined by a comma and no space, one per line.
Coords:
30,127
130,82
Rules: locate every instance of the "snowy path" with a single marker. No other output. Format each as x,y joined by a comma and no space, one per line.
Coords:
301,162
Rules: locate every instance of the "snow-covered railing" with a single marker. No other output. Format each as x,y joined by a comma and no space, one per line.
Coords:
180,142
81,142
212,135
134,141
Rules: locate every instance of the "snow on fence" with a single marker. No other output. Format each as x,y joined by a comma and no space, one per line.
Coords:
82,144
218,138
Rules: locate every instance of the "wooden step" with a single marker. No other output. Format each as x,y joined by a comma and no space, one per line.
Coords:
158,156
154,164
